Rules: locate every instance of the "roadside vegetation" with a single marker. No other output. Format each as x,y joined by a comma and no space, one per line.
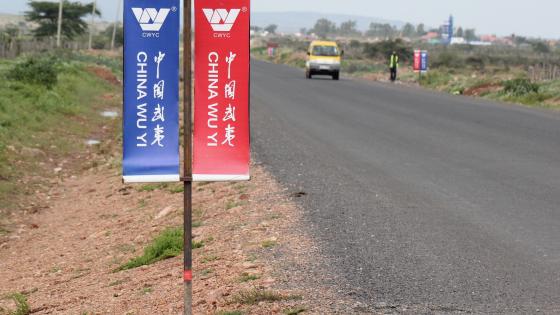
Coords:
528,75
20,305
45,100
167,245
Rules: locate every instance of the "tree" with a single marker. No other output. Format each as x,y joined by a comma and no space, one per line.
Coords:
383,49
348,28
381,30
421,29
323,28
408,30
45,14
460,32
271,28
541,47
470,35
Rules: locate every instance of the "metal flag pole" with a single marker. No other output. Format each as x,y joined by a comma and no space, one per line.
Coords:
59,26
187,132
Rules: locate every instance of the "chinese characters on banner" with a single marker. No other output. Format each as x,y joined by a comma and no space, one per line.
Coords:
221,146
420,62
151,91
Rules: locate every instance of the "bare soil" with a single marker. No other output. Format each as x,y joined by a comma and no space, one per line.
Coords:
62,255
64,258
483,89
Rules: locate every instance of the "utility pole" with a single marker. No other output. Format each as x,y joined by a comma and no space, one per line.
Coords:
91,24
117,19
59,30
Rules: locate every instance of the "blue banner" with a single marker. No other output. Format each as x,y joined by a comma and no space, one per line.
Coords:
424,61
151,91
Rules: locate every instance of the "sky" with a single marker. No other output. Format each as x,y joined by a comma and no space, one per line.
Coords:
536,18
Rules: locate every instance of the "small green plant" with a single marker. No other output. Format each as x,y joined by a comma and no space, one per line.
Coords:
22,306
167,245
152,187
36,70
116,282
229,313
206,272
196,224
245,277
254,296
269,244
3,230
208,259
252,257
176,189
232,204
142,203
295,311
197,244
147,290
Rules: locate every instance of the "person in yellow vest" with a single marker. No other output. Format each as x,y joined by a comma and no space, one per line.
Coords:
394,65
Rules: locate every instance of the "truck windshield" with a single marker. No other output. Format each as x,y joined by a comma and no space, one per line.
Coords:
329,51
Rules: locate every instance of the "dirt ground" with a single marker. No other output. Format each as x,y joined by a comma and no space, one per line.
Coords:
62,255
63,258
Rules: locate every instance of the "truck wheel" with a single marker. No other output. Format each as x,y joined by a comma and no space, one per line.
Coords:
336,76
308,74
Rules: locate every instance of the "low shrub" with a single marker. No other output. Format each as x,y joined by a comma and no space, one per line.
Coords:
36,70
520,87
447,59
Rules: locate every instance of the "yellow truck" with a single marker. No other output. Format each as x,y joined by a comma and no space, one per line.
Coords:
323,58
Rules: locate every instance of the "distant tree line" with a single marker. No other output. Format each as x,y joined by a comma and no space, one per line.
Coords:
324,28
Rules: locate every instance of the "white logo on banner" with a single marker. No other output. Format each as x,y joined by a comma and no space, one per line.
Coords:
150,19
220,19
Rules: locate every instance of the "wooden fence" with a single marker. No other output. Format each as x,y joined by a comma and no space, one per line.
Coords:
16,48
544,72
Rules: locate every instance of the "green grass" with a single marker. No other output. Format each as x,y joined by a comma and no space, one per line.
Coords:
206,272
229,313
295,311
168,244
208,259
255,296
197,244
177,189
245,277
232,204
48,120
152,187
268,244
174,189
22,306
116,282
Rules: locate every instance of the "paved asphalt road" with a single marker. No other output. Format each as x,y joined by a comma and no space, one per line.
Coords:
418,198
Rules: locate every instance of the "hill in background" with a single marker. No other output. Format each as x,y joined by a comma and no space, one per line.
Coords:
7,19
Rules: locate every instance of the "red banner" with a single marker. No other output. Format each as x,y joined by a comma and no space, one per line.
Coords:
221,146
417,64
